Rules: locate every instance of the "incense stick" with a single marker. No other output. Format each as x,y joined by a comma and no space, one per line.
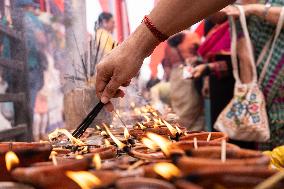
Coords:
223,151
120,118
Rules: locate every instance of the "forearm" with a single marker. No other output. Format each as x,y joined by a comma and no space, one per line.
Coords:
173,16
272,15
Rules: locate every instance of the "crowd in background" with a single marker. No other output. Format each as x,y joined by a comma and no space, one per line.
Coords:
199,67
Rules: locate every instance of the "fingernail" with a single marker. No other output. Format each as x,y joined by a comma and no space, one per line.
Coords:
104,100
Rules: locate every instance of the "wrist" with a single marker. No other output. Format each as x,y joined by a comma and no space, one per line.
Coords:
142,41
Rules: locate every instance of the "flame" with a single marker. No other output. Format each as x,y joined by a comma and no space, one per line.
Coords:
178,130
52,156
11,160
155,114
79,157
107,143
147,118
160,141
167,170
117,142
84,179
97,162
171,128
103,133
98,127
126,133
58,132
149,144
142,126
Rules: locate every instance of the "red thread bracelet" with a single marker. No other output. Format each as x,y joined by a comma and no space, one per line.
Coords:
159,35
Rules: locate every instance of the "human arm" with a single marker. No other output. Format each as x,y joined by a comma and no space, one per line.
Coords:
218,68
123,63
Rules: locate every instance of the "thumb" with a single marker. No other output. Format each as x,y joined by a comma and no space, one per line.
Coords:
110,90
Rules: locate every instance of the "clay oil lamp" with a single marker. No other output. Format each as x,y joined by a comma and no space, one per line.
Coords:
93,179
51,174
141,182
24,155
205,136
220,157
245,177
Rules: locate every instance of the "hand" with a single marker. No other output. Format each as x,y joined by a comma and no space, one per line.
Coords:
122,64
231,11
115,70
198,71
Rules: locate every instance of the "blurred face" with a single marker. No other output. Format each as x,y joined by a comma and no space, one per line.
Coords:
109,25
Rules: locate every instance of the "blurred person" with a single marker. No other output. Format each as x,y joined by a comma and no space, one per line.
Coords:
124,62
35,39
180,54
106,25
262,20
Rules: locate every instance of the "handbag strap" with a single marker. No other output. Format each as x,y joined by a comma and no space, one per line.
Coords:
248,44
266,47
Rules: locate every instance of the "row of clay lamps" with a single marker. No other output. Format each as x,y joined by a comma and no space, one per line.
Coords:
200,167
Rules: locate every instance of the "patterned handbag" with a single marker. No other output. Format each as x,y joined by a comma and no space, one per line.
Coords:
245,117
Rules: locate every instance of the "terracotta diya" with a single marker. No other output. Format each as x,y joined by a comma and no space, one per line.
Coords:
145,153
46,175
27,153
141,183
243,177
204,136
211,157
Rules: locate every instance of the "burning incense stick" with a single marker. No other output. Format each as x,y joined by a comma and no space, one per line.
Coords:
223,150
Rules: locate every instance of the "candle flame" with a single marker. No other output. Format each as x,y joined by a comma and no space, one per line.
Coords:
58,132
107,143
79,157
155,114
167,170
162,142
149,144
11,160
147,118
171,128
84,179
142,126
117,142
52,156
97,162
178,130
126,133
98,127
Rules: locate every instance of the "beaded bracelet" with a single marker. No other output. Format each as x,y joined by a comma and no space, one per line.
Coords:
159,35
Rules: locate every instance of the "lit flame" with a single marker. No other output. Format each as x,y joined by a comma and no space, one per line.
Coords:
11,160
79,157
142,126
167,170
161,142
155,114
52,156
147,118
117,142
103,133
97,162
98,127
149,144
178,130
84,179
107,143
171,128
137,111
58,132
126,133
